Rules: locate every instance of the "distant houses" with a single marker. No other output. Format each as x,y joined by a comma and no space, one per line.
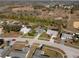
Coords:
51,31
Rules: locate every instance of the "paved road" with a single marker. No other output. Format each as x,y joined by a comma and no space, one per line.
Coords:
70,52
6,52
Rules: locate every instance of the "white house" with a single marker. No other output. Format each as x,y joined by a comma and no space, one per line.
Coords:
53,35
66,36
39,29
52,32
24,29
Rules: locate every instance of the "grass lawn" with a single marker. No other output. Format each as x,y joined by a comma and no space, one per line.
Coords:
44,36
31,34
51,53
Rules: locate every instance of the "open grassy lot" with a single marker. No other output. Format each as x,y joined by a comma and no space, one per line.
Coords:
44,36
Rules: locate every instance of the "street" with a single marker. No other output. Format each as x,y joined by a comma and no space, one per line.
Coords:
70,51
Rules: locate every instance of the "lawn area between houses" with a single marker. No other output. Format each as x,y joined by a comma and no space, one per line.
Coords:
30,34
44,36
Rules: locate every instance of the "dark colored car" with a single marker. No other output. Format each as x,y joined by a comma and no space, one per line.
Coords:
1,41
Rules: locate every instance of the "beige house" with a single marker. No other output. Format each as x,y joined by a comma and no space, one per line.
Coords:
76,24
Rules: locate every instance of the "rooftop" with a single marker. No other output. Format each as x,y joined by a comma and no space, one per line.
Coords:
66,36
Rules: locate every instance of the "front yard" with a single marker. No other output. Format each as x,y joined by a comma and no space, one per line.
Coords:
30,34
44,36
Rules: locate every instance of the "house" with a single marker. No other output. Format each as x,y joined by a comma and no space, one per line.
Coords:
39,29
53,33
24,29
66,36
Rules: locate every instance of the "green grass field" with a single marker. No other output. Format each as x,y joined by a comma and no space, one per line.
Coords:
45,37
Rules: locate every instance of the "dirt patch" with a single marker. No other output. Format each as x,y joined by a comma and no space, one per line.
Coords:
76,24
